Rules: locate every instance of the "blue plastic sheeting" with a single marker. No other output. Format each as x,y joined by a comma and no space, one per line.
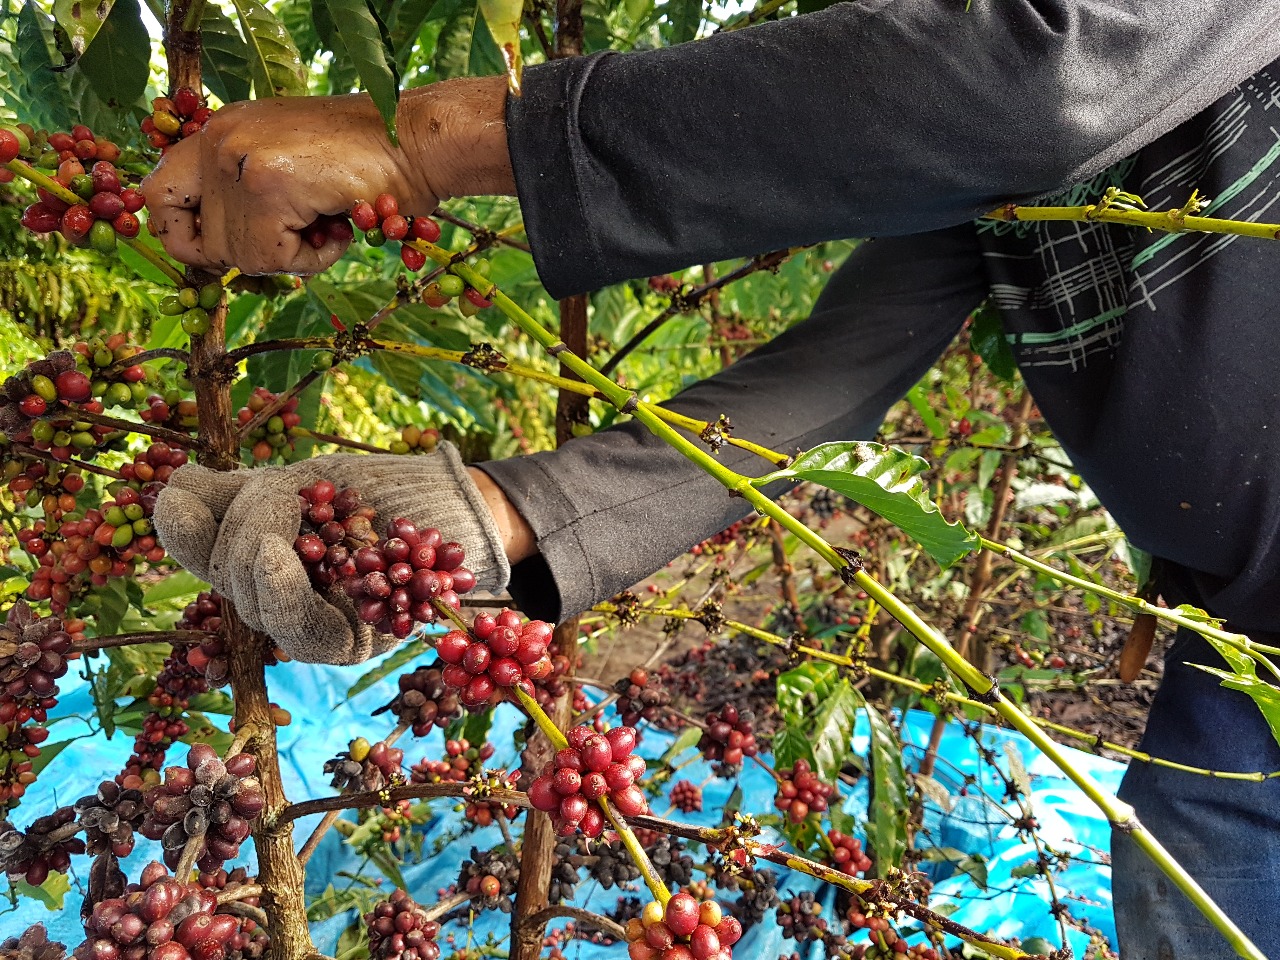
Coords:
323,722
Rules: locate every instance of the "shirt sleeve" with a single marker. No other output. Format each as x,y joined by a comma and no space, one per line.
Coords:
870,118
609,509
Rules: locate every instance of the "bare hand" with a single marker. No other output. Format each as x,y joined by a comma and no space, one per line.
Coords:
240,192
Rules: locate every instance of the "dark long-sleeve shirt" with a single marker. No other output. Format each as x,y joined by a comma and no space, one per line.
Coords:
1148,354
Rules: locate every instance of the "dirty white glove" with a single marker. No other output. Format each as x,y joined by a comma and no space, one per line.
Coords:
236,530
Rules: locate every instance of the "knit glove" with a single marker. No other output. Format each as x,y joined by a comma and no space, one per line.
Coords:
236,530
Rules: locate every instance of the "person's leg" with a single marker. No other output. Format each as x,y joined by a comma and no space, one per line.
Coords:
1226,833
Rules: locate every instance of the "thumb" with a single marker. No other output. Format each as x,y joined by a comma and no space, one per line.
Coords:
216,488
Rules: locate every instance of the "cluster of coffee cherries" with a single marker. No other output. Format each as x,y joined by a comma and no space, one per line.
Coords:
801,918
50,486
686,796
399,930
683,930
490,878
170,409
103,207
109,541
109,816
159,918
37,407
728,736
176,683
46,847
394,582
19,746
274,437
884,941
499,654
33,656
381,221
440,291
415,439
461,762
424,701
593,766
209,656
640,697
365,766
206,799
175,118
847,853
801,792
251,942
193,305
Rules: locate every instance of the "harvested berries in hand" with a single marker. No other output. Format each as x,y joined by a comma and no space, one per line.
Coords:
682,930
394,582
499,654
800,792
593,766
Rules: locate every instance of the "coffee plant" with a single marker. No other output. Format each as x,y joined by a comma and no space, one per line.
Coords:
434,328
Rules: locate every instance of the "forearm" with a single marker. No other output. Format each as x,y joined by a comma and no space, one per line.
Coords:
609,509
862,120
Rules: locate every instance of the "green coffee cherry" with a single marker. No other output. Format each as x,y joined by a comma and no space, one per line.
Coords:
140,391
82,186
115,516
119,394
188,297
482,267
171,306
322,362
195,322
122,537
375,237
24,144
44,387
102,237
134,511
450,285
102,357
83,440
210,295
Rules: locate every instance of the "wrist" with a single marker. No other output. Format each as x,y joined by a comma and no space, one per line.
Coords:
454,135
518,540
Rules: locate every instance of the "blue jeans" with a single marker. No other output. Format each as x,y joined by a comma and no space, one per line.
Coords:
1225,832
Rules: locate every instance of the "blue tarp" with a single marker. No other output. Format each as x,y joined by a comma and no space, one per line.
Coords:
323,722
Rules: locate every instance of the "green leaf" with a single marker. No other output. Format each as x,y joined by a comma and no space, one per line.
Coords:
406,22
79,22
462,50
687,740
888,481
119,62
974,865
180,585
986,337
280,369
1243,676
503,18
366,43
109,604
918,397
887,802
833,729
803,688
685,17
224,56
790,744
51,893
50,750
407,653
45,97
274,61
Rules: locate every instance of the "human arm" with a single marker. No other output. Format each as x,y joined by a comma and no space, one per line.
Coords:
609,509
865,119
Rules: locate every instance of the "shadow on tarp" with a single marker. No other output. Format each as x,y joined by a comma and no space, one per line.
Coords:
324,720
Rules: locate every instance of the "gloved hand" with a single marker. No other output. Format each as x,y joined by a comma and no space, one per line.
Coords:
237,529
